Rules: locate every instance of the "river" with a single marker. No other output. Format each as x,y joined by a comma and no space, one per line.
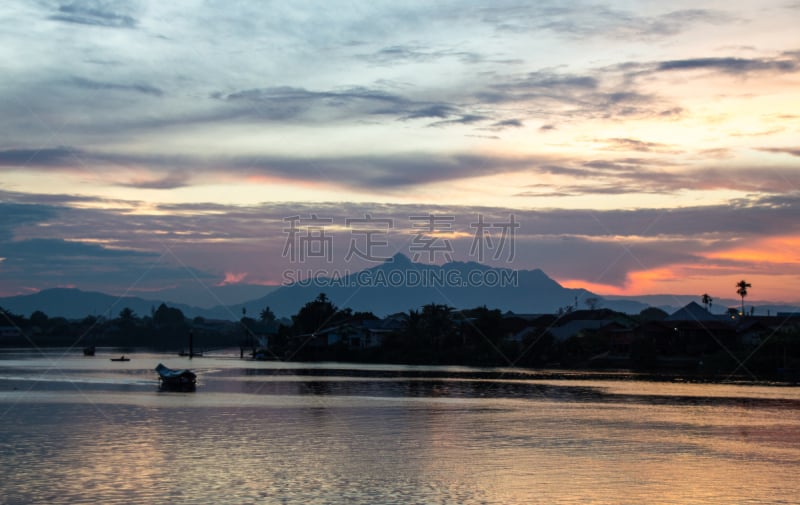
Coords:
77,429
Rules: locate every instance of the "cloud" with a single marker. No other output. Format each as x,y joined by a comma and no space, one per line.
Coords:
545,80
145,89
581,21
629,144
595,94
389,172
94,13
45,156
100,247
786,62
291,102
548,190
47,243
44,262
287,103
508,123
169,181
232,278
396,171
433,111
463,119
607,260
793,151
49,249
399,54
768,215
730,65
15,215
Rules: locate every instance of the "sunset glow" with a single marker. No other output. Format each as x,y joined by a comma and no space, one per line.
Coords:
643,149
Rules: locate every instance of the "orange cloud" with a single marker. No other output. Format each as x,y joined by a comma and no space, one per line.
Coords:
684,279
637,283
773,250
232,278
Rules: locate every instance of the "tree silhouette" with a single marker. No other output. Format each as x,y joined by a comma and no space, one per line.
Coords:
741,290
436,323
707,300
267,315
168,316
127,315
39,318
315,315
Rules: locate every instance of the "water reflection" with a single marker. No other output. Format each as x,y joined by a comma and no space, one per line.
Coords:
93,434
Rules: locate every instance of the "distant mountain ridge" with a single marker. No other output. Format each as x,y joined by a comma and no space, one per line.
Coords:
400,284
671,303
74,303
393,286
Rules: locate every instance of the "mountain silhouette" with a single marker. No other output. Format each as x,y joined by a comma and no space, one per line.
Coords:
74,303
396,285
399,284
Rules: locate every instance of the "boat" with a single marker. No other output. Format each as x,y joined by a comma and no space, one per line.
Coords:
121,358
88,351
181,380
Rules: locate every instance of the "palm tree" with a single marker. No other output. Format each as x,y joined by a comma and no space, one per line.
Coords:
707,300
741,290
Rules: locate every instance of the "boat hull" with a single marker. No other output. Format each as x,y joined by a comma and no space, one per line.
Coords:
176,380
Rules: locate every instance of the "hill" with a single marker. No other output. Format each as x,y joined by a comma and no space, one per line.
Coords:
74,304
394,286
400,284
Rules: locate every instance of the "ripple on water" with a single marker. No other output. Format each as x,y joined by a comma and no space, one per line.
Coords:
394,440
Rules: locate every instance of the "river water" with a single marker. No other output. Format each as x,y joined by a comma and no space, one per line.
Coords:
77,429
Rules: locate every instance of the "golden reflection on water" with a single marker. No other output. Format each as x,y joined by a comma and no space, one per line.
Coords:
423,442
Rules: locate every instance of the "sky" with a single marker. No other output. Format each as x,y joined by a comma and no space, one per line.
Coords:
626,147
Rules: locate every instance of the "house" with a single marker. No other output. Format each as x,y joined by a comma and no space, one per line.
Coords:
355,335
618,336
576,328
694,312
525,333
662,334
377,329
698,337
10,332
752,331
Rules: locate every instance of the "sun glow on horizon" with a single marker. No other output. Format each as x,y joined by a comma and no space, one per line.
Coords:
648,128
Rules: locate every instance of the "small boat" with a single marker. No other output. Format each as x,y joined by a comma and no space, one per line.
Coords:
88,351
121,358
181,380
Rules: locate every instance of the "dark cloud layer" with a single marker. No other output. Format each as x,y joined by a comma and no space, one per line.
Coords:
46,156
793,151
730,65
398,54
94,13
657,173
559,241
90,84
